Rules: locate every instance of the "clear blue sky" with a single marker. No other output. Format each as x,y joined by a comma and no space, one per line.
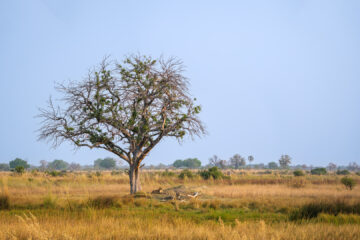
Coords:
273,77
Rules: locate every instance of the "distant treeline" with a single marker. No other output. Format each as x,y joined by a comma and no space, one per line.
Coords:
235,162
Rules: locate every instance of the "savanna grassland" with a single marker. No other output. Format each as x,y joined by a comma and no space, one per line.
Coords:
244,205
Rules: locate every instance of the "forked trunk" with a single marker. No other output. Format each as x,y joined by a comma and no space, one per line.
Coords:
134,177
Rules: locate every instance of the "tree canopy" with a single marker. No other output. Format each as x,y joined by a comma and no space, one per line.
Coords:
106,163
125,108
58,165
187,163
18,162
284,161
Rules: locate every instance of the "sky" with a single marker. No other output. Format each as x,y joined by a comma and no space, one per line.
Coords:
272,77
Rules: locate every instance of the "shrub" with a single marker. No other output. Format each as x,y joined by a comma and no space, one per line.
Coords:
358,173
167,173
318,171
298,173
349,183
342,172
186,174
213,173
19,169
56,173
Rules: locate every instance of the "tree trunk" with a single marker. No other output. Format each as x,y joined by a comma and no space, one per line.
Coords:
134,177
137,180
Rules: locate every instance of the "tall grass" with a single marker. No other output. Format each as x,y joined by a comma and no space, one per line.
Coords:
312,210
125,226
247,205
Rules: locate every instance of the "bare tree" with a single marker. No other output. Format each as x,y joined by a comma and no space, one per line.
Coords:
214,160
284,161
331,166
43,164
74,166
237,161
125,108
217,162
353,166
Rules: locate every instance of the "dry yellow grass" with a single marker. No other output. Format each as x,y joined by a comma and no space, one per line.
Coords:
41,208
99,226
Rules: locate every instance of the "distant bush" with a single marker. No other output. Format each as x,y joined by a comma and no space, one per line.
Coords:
186,174
106,163
343,172
58,165
348,182
187,163
213,173
298,173
4,167
56,173
358,173
18,162
273,165
318,171
19,169
167,173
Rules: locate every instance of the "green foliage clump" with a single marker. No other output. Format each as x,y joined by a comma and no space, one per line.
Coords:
343,172
186,174
298,173
348,182
187,163
58,165
18,162
56,173
19,169
106,163
213,173
167,173
358,173
273,165
318,171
